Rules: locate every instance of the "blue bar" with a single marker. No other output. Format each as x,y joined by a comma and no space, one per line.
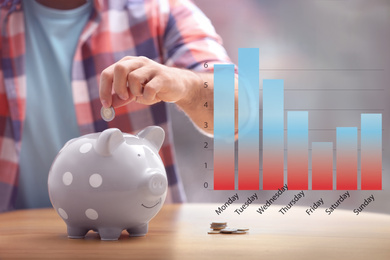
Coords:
371,130
248,119
371,152
298,150
273,134
224,127
298,128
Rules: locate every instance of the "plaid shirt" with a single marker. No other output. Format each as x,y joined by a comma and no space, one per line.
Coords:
172,32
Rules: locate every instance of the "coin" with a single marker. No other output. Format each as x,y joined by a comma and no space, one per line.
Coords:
228,230
213,232
218,228
238,232
242,229
218,223
107,113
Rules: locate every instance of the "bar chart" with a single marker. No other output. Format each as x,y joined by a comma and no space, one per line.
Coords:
273,146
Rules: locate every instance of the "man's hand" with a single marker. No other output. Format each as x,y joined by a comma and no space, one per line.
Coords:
147,82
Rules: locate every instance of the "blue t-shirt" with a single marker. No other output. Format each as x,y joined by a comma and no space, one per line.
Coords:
51,40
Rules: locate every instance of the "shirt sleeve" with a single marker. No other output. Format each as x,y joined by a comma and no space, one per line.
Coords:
190,39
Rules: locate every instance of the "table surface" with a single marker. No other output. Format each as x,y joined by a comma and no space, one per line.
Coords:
179,231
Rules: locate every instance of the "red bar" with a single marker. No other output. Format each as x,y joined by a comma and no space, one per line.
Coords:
297,170
346,172
322,166
273,170
223,170
248,173
371,167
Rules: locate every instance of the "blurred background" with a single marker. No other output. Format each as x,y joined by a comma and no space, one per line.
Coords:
334,58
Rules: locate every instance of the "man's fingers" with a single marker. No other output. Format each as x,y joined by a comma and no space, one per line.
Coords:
121,70
106,79
118,102
151,89
150,92
138,78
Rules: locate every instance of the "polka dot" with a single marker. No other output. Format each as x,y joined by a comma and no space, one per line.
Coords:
91,214
85,148
95,180
62,213
67,178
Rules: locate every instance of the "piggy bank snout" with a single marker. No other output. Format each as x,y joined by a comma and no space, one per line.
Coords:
157,183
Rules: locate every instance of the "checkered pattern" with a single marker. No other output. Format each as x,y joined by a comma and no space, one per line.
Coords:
172,32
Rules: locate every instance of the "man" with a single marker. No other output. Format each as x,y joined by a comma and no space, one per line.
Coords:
62,60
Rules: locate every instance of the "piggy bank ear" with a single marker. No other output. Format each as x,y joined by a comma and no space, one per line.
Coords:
154,134
108,141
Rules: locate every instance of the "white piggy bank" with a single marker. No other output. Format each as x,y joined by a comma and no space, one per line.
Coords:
109,182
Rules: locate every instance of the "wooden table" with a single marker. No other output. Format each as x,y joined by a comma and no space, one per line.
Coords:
180,232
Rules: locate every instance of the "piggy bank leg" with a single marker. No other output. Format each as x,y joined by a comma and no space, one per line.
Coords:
138,231
74,232
109,233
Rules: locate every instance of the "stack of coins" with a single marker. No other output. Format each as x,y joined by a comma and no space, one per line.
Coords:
217,227
221,228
